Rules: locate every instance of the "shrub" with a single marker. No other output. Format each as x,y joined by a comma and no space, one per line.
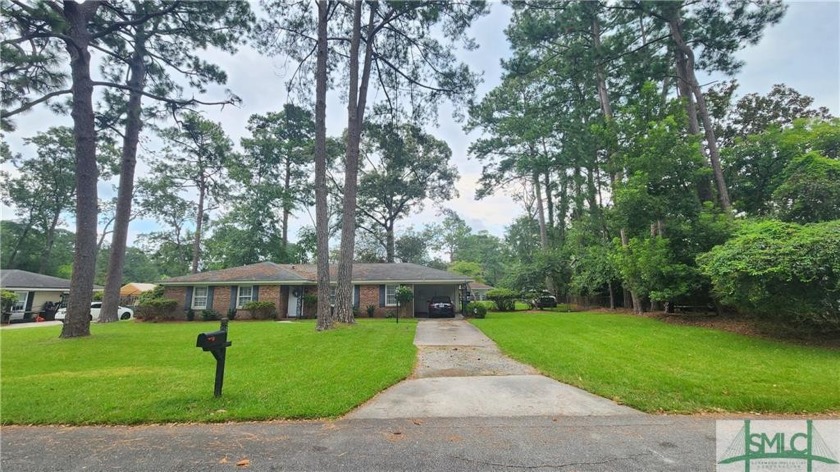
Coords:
371,309
154,293
190,314
504,299
782,272
97,296
476,310
261,310
391,314
488,305
7,300
231,314
210,315
156,309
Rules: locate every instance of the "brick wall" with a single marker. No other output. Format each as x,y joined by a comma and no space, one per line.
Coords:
369,295
180,294
221,299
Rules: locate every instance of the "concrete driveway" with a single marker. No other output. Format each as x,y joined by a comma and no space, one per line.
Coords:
461,373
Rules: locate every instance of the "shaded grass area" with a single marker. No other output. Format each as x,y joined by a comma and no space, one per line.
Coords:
130,373
658,367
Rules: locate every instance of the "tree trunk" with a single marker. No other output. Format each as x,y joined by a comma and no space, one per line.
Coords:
133,125
355,118
45,256
321,214
202,189
675,25
389,242
704,188
286,208
84,261
540,212
634,297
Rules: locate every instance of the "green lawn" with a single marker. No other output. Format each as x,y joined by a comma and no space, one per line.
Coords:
129,373
658,367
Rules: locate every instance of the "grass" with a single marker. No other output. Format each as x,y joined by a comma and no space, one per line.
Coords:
658,367
131,373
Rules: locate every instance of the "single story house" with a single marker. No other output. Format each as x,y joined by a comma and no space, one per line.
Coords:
33,292
478,290
134,289
288,286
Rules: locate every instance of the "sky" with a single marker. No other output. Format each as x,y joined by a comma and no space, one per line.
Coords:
802,51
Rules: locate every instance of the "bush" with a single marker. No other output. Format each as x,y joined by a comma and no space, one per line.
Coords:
371,309
7,300
504,299
156,309
782,272
261,310
210,315
152,294
231,314
190,314
476,310
391,314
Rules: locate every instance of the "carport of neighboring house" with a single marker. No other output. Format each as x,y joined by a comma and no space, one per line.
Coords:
423,294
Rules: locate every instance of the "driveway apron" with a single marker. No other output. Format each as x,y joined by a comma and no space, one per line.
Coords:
461,373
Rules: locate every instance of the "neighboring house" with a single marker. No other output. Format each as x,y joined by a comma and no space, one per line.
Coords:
130,291
33,292
287,285
478,290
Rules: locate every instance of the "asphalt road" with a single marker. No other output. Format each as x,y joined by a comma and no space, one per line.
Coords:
622,443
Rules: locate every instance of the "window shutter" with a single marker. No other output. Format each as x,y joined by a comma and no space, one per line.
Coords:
30,297
356,300
381,295
188,301
210,298
233,294
255,294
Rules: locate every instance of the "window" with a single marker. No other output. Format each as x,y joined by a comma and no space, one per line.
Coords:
199,297
391,295
246,294
333,290
20,304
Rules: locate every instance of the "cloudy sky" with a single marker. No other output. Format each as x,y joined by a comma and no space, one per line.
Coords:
803,51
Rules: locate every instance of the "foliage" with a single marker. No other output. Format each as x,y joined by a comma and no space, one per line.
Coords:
404,294
261,310
153,294
190,314
679,369
210,315
370,310
156,309
7,300
470,269
504,299
783,272
158,363
811,190
476,310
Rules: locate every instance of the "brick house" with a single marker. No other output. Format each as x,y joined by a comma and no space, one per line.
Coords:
288,286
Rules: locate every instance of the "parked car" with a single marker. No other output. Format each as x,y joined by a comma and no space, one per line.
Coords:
441,306
123,313
544,300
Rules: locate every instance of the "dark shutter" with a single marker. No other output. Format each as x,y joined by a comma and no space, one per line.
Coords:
233,295
210,298
255,295
188,301
381,295
356,296
30,297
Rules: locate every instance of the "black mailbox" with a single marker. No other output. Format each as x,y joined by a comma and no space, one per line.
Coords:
216,343
212,341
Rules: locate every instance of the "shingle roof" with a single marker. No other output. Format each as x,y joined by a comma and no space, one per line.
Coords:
307,273
10,279
480,286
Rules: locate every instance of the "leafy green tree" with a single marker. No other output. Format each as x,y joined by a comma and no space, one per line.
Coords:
170,247
811,190
783,272
197,156
405,167
472,270
412,246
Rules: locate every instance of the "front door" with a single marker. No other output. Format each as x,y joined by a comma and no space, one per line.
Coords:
294,302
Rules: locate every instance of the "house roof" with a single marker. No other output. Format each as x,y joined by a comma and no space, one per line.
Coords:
303,274
480,286
135,288
21,279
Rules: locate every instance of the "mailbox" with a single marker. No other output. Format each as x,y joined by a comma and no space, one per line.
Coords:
216,343
212,341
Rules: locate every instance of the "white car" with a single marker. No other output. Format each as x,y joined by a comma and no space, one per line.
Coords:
123,313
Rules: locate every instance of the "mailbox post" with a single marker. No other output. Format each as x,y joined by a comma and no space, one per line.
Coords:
216,342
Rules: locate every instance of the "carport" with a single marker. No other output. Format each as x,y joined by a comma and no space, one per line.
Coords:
424,292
